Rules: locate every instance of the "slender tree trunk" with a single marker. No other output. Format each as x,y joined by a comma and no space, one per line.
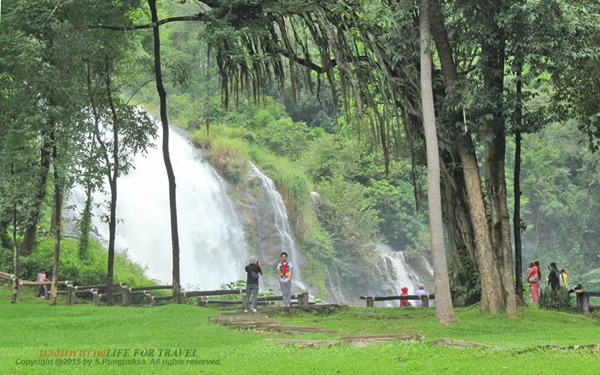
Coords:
111,241
167,159
491,295
86,216
56,222
517,185
444,310
34,213
113,192
15,284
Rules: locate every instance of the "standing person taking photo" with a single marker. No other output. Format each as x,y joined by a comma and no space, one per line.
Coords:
284,274
254,270
553,277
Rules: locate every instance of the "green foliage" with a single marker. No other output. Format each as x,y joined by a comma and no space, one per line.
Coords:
89,271
465,285
230,157
562,199
346,213
285,137
332,155
590,281
556,300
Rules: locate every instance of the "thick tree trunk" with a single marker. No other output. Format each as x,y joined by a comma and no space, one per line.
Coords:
493,58
444,310
167,159
456,208
491,296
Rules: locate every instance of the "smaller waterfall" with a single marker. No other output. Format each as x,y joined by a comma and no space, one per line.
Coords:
394,273
337,292
275,234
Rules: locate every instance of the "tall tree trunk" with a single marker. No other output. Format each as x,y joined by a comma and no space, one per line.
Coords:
493,58
517,184
86,216
167,159
444,310
112,179
15,284
56,222
491,296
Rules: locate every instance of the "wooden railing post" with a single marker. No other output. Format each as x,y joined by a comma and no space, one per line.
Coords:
425,301
71,295
583,302
304,298
370,302
96,297
125,296
148,298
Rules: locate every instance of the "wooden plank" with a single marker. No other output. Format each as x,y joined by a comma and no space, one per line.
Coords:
98,286
392,298
205,293
153,287
25,282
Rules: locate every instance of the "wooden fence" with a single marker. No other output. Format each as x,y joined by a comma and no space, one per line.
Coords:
98,293
583,301
423,297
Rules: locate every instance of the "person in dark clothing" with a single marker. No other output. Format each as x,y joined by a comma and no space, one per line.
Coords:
553,277
254,270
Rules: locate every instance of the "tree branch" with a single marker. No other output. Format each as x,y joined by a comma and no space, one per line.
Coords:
196,18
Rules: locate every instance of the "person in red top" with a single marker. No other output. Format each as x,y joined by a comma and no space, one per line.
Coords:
404,302
534,276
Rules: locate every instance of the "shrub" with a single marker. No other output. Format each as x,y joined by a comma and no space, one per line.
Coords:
556,300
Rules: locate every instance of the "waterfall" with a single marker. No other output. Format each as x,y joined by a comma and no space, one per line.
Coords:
275,215
212,246
394,273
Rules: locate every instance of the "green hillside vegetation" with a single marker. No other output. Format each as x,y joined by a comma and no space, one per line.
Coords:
357,204
538,342
91,270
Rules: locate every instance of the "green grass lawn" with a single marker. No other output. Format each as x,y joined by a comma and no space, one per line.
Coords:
31,329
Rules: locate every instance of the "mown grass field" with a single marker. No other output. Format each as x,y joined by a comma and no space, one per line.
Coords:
31,328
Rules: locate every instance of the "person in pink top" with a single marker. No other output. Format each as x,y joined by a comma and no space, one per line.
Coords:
534,276
41,277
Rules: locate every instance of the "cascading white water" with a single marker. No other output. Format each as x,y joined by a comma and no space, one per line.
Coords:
395,273
213,250
279,220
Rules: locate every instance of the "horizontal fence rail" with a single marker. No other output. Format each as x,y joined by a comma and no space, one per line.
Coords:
423,297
